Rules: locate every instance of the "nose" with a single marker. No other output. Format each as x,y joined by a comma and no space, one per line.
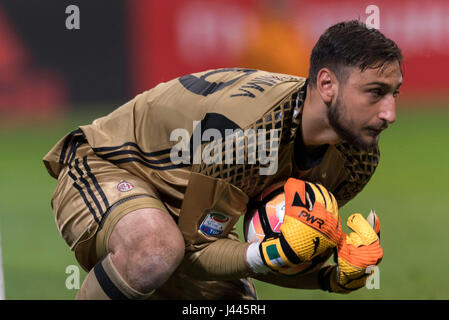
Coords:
388,110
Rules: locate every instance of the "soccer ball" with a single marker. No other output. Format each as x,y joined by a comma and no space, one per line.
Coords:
264,219
268,217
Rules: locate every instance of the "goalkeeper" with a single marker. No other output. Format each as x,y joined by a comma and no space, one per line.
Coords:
149,215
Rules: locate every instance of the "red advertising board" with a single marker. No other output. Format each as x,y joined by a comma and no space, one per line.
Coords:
175,37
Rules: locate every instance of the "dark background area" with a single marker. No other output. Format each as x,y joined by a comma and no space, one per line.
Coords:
92,58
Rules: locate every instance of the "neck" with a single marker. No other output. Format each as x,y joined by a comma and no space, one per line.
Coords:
315,126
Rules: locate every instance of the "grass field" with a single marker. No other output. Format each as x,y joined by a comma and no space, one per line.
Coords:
409,192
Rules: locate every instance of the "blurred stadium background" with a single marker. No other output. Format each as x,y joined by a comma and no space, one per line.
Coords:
53,79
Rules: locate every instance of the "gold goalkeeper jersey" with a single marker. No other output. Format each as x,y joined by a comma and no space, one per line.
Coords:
209,142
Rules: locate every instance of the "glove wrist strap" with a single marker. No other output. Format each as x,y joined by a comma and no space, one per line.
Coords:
254,259
273,254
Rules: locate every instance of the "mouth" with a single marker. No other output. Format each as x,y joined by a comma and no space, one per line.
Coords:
375,131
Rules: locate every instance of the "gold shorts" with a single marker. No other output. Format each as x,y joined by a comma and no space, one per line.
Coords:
92,195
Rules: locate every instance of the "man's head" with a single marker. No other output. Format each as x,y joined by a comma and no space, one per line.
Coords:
357,73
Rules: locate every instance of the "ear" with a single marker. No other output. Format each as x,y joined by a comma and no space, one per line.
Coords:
327,85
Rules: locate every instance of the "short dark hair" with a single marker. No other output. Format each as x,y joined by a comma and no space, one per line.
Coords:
351,44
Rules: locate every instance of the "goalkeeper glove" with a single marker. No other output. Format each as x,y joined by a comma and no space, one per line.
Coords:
356,252
311,226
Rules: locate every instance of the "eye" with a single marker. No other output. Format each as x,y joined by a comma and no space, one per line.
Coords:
376,93
395,94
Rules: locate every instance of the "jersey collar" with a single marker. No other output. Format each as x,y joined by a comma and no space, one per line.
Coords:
304,159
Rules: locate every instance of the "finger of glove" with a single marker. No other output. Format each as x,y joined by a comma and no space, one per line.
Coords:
323,196
298,207
363,233
353,259
294,195
374,222
353,285
341,283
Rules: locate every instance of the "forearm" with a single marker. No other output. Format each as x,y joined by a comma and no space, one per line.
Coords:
223,259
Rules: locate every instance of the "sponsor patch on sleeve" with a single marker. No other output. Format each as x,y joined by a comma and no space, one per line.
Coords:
214,224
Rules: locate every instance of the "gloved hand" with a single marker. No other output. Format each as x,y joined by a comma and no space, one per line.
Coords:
311,226
356,252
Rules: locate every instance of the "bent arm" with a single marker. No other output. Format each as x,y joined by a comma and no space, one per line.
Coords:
223,259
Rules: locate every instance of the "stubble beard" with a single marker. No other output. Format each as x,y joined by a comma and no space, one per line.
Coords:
335,116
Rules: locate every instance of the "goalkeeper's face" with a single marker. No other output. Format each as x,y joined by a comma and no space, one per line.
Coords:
365,104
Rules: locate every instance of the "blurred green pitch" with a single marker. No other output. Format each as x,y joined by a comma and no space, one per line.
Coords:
409,192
